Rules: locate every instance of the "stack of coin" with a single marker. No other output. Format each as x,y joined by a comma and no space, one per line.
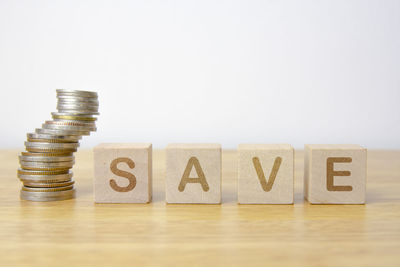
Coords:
47,162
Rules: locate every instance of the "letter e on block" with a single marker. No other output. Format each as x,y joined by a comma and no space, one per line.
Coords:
123,173
335,174
265,174
193,173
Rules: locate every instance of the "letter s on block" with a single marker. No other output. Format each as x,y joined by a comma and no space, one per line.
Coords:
114,169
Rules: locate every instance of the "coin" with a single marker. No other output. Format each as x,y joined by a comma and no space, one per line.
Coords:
77,107
46,166
79,111
33,172
61,132
76,100
78,93
45,185
47,196
49,147
53,138
40,158
78,130
46,189
48,154
48,140
46,163
73,101
74,117
52,178
72,123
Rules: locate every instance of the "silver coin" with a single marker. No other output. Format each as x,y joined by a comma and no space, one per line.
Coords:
75,129
47,189
61,138
78,129
46,159
34,165
73,124
35,137
52,145
53,178
47,196
61,132
78,111
77,106
48,185
78,103
79,93
74,100
72,114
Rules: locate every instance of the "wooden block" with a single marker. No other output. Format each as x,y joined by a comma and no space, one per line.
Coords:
123,173
265,174
335,174
193,173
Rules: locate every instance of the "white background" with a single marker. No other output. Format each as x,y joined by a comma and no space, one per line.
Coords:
207,71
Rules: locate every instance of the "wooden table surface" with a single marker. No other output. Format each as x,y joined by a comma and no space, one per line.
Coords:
229,234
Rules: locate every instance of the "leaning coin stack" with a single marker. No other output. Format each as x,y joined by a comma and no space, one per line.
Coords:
46,164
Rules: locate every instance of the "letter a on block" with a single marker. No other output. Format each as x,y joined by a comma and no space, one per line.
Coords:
193,173
267,186
114,169
201,179
330,173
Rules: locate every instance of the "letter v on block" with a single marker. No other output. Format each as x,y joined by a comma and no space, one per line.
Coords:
265,174
267,186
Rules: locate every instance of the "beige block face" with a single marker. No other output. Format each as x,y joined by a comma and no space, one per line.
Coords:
335,174
123,173
265,174
193,173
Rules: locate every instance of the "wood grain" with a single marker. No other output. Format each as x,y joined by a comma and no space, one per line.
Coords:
62,233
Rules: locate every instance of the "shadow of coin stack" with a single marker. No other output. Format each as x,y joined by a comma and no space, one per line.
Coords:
46,164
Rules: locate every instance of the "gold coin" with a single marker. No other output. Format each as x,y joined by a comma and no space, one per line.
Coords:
49,140
74,118
32,172
50,150
50,154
